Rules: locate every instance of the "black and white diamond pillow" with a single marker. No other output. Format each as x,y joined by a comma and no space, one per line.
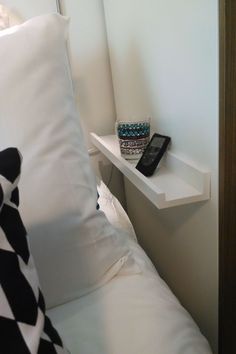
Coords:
24,328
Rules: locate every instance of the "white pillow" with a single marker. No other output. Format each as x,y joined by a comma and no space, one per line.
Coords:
113,210
74,246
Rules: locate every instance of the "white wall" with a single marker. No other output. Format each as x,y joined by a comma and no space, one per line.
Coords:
92,79
90,65
164,56
25,9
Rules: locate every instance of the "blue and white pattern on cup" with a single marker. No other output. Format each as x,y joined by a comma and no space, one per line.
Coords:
133,138
133,130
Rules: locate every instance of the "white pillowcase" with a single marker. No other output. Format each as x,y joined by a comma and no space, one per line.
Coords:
74,246
114,211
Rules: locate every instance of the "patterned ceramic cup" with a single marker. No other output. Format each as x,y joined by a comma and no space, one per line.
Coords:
133,138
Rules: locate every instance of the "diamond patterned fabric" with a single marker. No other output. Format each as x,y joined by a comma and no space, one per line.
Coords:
24,327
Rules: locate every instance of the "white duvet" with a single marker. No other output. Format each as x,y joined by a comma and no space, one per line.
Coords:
131,314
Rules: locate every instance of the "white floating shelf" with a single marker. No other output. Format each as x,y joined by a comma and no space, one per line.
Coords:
175,182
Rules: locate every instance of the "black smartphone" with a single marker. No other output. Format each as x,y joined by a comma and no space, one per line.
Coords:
153,154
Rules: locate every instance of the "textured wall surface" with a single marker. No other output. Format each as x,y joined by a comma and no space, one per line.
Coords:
164,58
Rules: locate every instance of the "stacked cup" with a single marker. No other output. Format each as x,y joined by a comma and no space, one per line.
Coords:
133,138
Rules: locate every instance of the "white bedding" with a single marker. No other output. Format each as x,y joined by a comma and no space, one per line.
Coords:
131,314
114,210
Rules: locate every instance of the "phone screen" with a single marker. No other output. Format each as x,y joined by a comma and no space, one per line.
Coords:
152,150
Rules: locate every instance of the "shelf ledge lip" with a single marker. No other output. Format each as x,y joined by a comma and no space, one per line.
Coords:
175,183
